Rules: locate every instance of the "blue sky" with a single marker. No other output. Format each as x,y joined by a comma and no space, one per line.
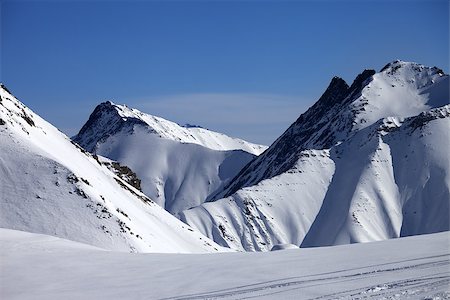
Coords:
245,68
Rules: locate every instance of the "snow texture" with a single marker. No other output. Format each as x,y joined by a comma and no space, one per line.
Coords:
44,267
179,166
51,186
367,162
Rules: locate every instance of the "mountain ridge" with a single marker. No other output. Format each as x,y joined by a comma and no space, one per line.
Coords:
52,186
179,167
324,123
371,169
118,116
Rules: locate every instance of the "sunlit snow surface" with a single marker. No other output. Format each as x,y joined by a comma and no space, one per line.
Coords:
179,167
366,166
49,185
44,267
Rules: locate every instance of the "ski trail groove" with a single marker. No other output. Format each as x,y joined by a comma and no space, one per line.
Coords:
403,286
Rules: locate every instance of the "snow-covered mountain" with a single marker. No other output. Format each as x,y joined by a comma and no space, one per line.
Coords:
366,162
179,167
49,185
109,118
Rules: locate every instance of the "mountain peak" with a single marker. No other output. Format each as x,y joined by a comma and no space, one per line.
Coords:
335,90
336,81
393,64
343,171
49,185
361,79
108,118
104,121
402,89
396,65
2,86
107,103
179,166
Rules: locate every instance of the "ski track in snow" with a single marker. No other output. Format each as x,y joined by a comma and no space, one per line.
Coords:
34,266
387,132
437,279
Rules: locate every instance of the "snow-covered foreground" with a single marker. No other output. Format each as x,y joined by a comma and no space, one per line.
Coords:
43,267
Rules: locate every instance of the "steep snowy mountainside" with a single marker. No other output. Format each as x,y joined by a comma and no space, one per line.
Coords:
378,181
319,127
275,211
177,176
393,182
391,179
400,89
178,167
50,186
109,118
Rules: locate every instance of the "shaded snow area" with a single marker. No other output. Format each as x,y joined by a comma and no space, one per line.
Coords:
352,201
179,167
51,186
43,267
109,112
177,176
367,162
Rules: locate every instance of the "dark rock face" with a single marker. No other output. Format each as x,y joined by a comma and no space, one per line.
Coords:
5,88
103,122
124,173
187,125
320,127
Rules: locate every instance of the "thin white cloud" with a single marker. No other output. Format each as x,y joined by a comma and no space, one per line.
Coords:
258,118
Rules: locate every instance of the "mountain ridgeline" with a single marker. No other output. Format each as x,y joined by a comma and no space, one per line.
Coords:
318,128
50,185
366,162
179,166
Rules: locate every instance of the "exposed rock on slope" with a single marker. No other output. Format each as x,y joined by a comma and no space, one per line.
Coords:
366,162
49,185
179,167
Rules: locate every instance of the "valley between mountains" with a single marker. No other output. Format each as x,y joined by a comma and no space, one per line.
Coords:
368,162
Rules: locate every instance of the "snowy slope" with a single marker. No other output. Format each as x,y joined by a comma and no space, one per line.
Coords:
367,162
50,186
179,167
43,267
108,117
401,89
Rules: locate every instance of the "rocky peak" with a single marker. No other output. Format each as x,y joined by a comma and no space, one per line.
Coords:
331,120
360,81
334,92
397,66
103,122
2,86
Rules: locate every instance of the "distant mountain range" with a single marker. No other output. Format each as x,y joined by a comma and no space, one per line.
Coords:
368,161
